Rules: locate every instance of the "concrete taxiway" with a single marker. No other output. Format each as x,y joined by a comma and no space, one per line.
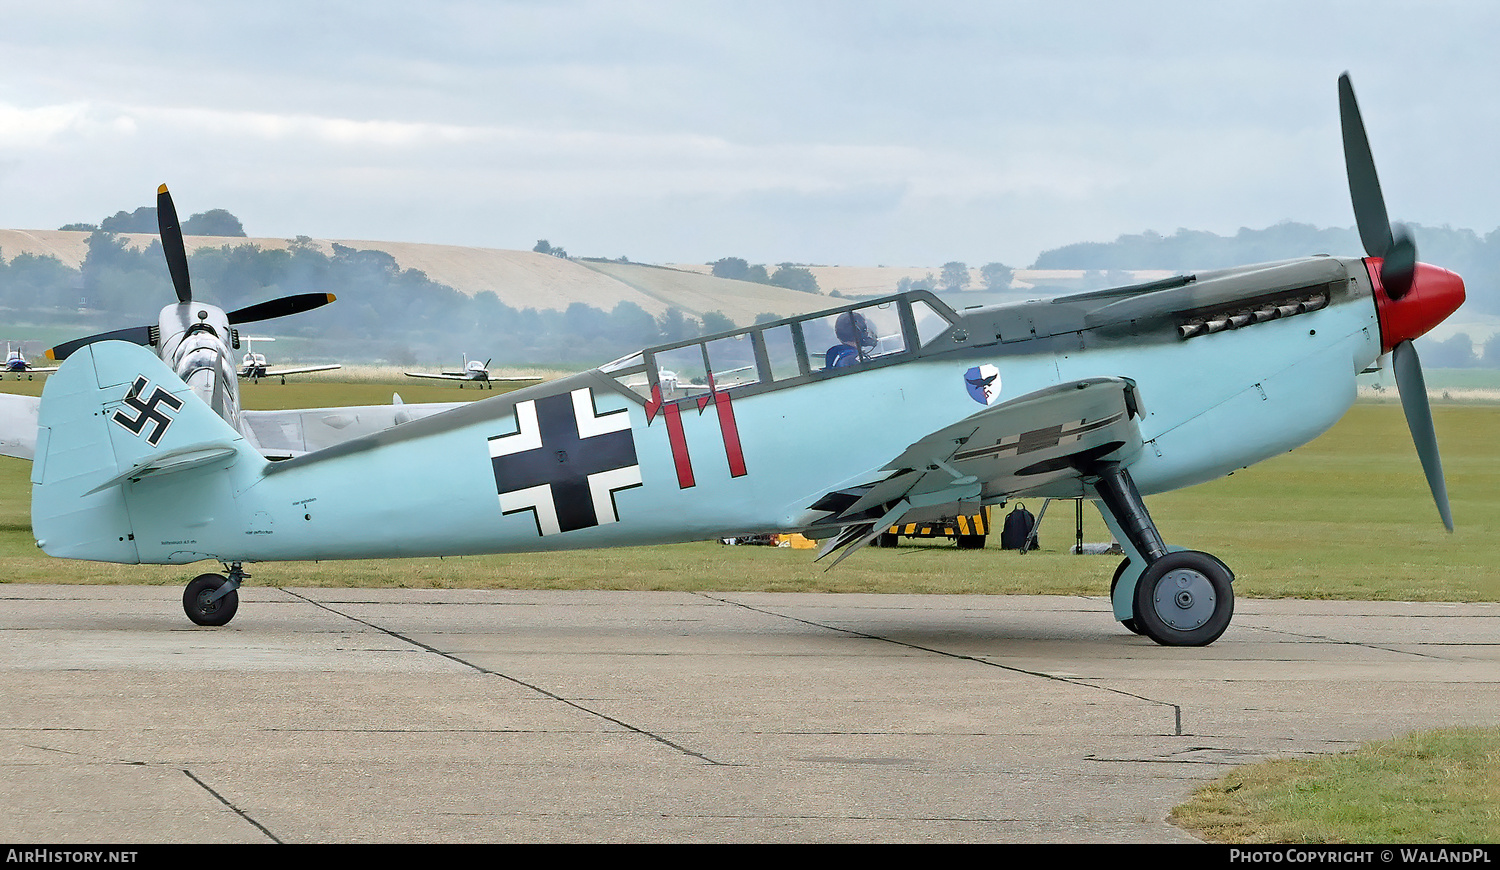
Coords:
357,715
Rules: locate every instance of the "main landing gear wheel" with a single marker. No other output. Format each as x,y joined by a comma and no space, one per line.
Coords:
1184,599
1130,624
204,612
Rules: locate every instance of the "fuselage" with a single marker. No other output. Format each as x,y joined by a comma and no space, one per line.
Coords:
596,460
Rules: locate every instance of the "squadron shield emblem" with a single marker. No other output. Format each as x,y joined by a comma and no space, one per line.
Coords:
983,383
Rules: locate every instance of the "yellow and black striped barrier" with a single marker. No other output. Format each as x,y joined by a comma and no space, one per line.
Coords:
969,530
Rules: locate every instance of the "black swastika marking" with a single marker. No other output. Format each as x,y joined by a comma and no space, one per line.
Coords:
147,411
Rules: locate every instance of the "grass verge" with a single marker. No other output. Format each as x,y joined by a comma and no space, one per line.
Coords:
1434,787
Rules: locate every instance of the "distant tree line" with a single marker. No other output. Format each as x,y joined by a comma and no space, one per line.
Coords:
1460,352
955,278
788,275
215,222
382,311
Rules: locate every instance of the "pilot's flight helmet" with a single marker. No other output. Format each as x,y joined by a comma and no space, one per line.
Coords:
851,324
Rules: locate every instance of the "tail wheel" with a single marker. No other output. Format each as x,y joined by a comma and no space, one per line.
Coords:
1184,599
204,612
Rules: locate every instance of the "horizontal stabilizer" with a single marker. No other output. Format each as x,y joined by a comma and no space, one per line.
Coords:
184,459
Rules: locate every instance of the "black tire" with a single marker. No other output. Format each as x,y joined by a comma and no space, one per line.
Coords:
1130,624
1184,599
971,542
195,605
887,539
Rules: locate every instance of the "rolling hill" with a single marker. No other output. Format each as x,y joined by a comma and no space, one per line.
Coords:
522,279
526,279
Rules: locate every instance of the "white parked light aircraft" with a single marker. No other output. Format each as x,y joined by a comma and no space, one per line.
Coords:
254,366
15,361
471,370
1109,395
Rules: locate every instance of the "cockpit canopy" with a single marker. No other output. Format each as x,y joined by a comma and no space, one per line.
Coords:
784,353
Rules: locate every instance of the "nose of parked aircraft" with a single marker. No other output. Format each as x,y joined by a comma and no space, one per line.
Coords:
1435,293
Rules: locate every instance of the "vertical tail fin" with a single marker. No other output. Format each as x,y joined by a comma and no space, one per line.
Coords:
118,432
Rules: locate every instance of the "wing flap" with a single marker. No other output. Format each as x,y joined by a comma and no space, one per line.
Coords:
1049,435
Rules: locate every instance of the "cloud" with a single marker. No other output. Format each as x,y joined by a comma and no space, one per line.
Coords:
873,127
31,128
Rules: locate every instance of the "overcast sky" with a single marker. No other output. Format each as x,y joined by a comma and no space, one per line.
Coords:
855,133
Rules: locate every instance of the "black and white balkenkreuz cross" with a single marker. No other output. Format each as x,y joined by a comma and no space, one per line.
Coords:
565,462
147,410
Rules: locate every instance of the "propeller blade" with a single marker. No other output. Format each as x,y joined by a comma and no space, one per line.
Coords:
1413,389
1400,265
134,334
1364,185
172,245
280,307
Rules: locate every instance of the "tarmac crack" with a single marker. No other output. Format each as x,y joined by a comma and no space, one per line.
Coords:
1322,638
518,681
1175,708
232,808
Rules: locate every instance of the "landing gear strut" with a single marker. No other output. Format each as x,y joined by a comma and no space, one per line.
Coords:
1174,597
211,599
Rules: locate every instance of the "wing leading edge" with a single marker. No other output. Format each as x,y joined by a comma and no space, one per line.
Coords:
1045,440
445,376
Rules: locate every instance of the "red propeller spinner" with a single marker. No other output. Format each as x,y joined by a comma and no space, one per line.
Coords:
1435,293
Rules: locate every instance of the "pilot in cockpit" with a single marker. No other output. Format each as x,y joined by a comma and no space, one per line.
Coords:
856,340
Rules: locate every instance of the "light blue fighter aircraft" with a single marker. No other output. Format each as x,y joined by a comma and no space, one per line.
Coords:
838,425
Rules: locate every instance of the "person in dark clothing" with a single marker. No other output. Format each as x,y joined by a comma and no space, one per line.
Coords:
856,340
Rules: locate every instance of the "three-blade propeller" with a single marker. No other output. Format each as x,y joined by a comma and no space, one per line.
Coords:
1398,252
177,264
